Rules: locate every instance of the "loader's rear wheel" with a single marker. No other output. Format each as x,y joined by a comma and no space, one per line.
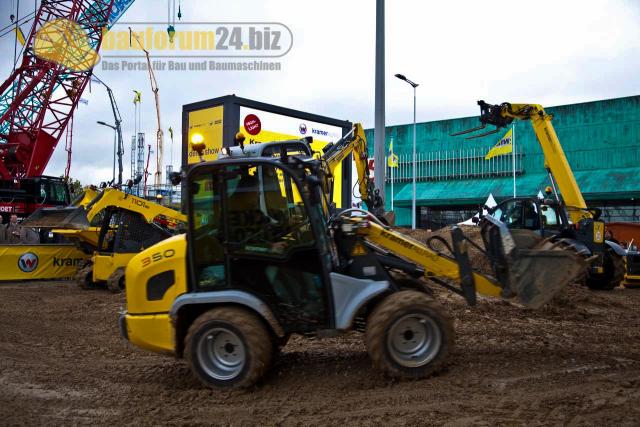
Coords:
228,348
613,276
115,282
409,336
84,276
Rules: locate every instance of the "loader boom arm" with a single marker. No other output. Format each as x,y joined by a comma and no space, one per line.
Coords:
149,210
555,160
434,264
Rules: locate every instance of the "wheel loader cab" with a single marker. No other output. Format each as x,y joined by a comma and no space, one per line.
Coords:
122,235
123,231
270,245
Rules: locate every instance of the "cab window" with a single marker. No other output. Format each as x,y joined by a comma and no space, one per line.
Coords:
549,216
518,214
206,232
58,193
266,213
530,215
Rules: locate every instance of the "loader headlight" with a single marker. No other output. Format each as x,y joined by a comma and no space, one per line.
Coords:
197,143
197,138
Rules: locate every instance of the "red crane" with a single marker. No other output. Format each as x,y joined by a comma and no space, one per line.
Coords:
38,99
45,93
40,96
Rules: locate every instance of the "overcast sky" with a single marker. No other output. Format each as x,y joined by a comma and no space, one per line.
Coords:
547,52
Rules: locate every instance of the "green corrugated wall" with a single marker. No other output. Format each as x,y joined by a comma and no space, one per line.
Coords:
600,135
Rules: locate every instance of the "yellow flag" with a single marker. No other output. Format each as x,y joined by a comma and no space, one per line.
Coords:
137,98
392,160
504,146
20,36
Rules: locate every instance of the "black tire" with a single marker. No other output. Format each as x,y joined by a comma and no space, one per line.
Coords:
278,345
115,282
613,275
244,341
413,310
84,276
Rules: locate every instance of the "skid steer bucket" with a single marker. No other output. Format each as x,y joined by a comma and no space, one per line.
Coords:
529,267
58,217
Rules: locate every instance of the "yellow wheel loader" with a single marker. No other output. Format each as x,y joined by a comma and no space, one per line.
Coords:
266,256
113,227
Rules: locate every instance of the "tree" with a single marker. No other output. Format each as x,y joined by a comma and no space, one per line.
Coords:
75,186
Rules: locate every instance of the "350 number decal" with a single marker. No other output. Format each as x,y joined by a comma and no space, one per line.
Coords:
157,256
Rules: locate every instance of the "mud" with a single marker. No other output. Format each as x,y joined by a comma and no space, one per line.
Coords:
575,362
478,260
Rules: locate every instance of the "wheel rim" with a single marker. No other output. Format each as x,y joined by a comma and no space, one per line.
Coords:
221,353
414,340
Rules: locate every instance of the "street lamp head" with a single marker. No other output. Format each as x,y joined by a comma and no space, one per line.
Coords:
106,124
403,77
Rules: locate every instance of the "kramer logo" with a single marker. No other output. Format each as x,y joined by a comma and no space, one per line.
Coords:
66,262
28,262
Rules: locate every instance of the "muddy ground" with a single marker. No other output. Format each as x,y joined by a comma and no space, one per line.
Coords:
576,362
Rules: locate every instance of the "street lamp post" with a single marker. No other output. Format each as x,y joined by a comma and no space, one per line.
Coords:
413,198
115,129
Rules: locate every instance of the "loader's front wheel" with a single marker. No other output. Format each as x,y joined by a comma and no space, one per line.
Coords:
229,348
614,270
409,336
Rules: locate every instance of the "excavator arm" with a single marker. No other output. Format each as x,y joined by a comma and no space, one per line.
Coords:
355,142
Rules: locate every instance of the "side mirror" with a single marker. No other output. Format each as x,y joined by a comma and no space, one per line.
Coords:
175,178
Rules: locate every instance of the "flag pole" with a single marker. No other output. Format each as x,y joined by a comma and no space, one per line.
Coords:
513,155
392,186
391,157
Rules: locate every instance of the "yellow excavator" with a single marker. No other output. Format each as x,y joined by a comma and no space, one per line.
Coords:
113,227
266,255
563,215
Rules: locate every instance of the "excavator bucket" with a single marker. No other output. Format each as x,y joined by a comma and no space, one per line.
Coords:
58,217
529,267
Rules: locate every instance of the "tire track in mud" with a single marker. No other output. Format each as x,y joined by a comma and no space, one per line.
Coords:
576,361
